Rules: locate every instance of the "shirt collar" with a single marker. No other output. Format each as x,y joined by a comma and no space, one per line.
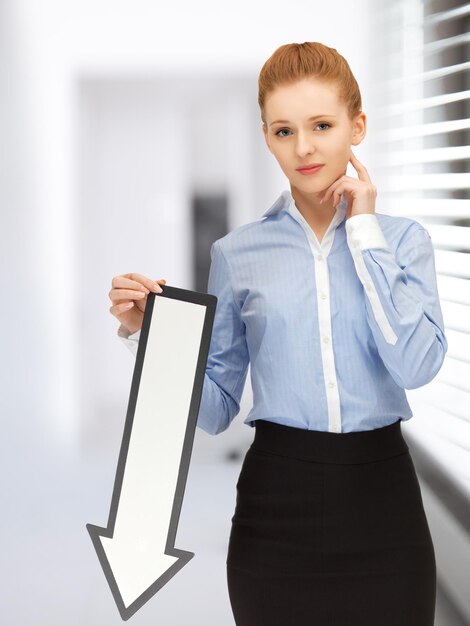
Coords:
285,202
281,204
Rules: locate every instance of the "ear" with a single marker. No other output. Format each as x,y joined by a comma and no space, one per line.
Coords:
360,129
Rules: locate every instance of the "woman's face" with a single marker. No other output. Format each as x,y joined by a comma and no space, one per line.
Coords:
298,141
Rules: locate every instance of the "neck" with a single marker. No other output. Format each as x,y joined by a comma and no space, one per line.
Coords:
310,207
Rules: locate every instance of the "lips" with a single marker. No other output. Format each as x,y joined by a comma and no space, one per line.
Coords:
310,167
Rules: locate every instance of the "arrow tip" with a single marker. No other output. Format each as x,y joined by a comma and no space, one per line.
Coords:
134,573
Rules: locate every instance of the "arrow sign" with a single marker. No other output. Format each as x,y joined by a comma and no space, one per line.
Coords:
137,549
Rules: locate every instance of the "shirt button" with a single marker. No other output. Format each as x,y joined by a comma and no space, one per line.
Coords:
320,257
331,384
368,286
325,339
323,295
355,243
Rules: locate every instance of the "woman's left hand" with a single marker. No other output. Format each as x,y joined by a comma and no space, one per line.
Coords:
360,193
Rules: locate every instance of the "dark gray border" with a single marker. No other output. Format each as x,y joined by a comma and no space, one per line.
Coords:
210,302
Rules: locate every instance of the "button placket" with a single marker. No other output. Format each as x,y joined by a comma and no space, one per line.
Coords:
324,319
320,252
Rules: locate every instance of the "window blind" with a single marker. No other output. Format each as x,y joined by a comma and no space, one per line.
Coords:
421,109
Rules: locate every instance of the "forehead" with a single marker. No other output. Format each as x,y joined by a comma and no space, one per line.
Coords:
302,98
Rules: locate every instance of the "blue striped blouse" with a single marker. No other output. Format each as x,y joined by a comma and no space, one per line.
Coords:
333,331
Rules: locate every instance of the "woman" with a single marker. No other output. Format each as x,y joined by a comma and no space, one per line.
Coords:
336,307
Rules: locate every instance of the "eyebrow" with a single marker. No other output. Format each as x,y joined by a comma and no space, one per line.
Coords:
314,117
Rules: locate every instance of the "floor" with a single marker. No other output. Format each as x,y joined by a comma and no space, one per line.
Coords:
52,576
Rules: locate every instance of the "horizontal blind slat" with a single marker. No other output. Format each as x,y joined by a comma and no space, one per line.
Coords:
450,237
430,155
414,182
456,316
424,130
454,289
426,103
418,77
451,400
449,454
452,263
456,374
445,16
414,208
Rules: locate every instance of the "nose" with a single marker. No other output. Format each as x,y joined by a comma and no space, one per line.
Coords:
303,145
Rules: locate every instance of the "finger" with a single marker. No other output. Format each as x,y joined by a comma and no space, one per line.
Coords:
138,281
337,195
360,169
325,193
346,184
331,189
150,284
117,295
122,307
130,281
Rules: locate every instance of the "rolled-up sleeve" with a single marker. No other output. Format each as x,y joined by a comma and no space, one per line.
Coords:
402,301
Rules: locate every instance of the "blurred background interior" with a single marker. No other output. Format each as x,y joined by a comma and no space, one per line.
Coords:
131,140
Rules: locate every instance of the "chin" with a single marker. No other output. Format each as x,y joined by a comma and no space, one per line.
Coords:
311,187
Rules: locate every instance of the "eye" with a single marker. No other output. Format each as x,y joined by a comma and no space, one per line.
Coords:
319,124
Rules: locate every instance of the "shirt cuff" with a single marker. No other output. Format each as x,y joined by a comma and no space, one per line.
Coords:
124,333
363,231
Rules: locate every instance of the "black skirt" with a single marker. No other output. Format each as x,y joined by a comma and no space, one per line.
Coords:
329,529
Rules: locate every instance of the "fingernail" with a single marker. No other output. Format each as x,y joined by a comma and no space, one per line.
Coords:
157,288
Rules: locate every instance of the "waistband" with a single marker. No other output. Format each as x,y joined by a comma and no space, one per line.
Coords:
329,447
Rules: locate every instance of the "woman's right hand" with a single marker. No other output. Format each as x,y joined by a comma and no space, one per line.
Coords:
129,297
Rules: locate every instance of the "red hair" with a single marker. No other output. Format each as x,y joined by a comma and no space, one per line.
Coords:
311,59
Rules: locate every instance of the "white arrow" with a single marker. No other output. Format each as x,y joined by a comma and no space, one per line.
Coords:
136,550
